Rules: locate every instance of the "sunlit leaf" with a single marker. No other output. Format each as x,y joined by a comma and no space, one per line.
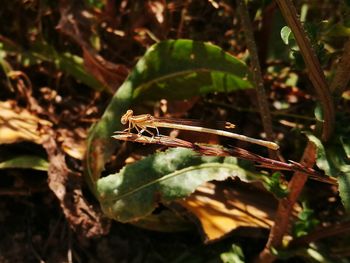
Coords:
18,124
26,162
286,33
173,69
138,188
223,208
180,69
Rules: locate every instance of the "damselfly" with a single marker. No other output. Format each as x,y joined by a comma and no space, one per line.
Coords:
144,121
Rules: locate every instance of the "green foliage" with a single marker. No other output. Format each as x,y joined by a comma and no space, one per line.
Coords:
287,36
43,52
163,177
333,158
173,69
306,222
312,31
289,40
26,162
96,3
273,184
234,255
43,43
181,69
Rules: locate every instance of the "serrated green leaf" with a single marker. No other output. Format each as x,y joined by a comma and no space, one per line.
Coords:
138,188
26,162
180,69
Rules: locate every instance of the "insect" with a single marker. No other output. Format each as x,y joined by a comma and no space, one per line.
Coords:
143,122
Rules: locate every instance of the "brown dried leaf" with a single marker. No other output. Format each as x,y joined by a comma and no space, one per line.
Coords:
18,124
85,219
78,27
221,210
109,74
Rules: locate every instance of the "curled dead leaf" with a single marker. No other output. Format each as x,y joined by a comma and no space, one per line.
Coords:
18,124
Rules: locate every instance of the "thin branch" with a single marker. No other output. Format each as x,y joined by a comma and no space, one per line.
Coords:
257,75
214,150
285,206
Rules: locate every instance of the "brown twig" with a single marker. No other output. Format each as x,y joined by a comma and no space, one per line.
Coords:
313,66
213,150
285,206
257,75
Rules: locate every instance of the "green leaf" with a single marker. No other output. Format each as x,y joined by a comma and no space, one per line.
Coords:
74,65
274,185
71,64
321,158
306,222
333,160
180,69
234,255
26,162
100,144
286,34
173,69
137,189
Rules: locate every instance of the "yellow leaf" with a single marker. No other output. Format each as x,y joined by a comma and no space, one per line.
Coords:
220,209
18,124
